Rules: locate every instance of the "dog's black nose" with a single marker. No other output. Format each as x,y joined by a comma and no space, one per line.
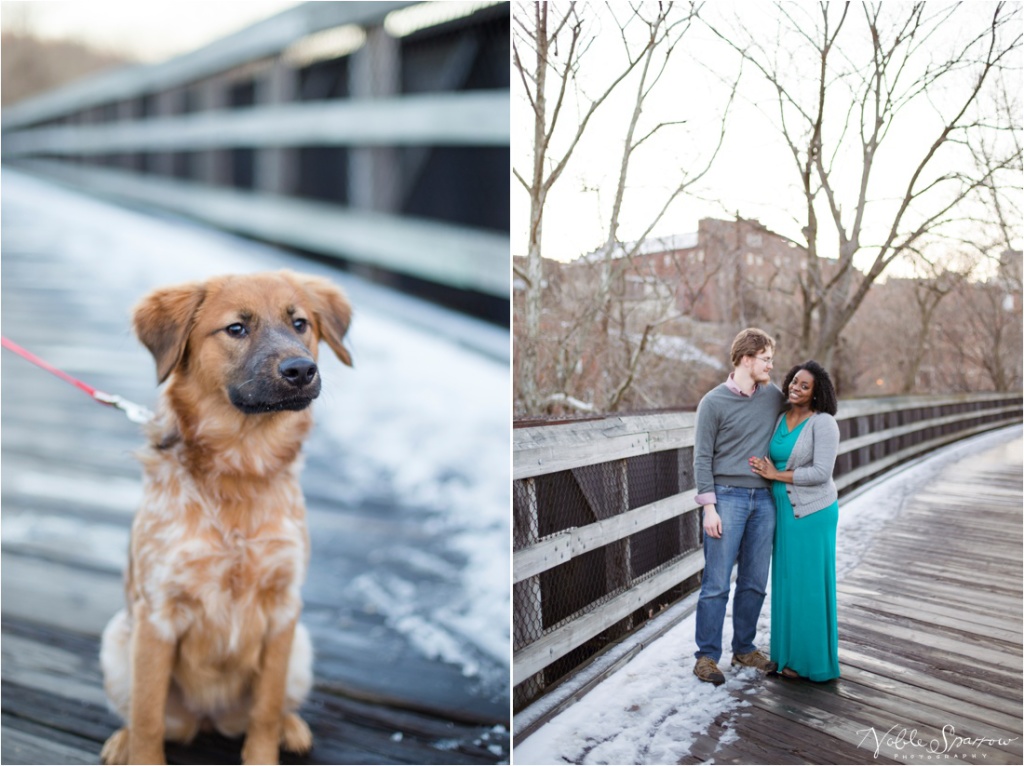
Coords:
299,371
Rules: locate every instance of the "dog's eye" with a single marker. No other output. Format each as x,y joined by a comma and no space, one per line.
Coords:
236,330
300,325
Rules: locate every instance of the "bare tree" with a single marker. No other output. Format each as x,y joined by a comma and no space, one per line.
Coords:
999,163
556,45
603,326
848,83
928,294
30,65
987,315
981,329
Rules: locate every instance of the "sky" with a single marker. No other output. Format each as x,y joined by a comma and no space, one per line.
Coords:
754,175
155,31
147,32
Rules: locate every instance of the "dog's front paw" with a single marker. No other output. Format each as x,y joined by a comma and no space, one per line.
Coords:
115,749
295,735
148,755
259,749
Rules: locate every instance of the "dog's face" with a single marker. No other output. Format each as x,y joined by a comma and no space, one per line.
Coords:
252,339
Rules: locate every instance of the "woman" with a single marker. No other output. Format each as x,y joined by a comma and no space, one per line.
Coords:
802,452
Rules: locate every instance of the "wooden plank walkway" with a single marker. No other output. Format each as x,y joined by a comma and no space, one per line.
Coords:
70,485
930,647
54,711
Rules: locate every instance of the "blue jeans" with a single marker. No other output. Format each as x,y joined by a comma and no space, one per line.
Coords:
748,529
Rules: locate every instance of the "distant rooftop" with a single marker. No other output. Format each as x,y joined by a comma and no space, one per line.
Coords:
647,246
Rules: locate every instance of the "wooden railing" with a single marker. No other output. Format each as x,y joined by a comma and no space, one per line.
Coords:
406,153
578,531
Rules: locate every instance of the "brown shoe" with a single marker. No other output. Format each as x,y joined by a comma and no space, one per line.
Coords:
707,670
756,660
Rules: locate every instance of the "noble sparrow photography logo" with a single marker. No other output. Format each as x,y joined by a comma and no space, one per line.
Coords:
906,743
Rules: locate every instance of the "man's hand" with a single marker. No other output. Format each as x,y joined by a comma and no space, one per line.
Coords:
712,522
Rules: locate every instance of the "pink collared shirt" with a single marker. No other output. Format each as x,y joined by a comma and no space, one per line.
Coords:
730,383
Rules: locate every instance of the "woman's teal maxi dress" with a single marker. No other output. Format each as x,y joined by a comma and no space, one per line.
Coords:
804,633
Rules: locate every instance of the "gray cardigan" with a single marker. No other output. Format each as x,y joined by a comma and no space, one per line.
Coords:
812,461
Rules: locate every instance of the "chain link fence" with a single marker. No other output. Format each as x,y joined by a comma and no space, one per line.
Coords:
567,500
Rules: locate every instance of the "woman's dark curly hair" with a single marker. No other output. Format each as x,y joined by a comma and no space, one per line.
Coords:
823,398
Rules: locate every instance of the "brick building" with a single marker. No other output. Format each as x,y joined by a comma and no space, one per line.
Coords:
726,272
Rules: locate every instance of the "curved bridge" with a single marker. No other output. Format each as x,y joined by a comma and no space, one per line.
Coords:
604,510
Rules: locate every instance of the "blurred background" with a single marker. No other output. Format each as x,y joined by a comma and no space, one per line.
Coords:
365,142
376,133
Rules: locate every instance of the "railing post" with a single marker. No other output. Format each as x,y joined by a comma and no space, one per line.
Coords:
689,524
376,72
863,426
127,111
168,103
618,555
215,163
276,167
527,612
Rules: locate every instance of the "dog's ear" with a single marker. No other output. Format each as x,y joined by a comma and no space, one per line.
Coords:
163,320
333,313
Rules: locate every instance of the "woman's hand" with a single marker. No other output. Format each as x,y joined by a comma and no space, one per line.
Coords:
764,468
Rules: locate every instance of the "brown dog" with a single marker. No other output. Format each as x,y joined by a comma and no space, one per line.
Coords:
219,547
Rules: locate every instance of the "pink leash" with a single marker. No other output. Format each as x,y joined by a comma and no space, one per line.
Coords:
135,412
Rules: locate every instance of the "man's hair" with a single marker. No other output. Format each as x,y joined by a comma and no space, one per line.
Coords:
750,342
823,397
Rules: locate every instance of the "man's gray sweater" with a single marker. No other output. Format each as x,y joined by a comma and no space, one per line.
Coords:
730,430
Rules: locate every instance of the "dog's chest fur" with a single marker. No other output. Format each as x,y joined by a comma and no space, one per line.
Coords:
219,567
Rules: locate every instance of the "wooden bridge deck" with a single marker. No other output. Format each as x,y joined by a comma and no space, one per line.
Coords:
930,645
70,485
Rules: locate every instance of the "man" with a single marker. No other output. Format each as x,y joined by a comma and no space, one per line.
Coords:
735,421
